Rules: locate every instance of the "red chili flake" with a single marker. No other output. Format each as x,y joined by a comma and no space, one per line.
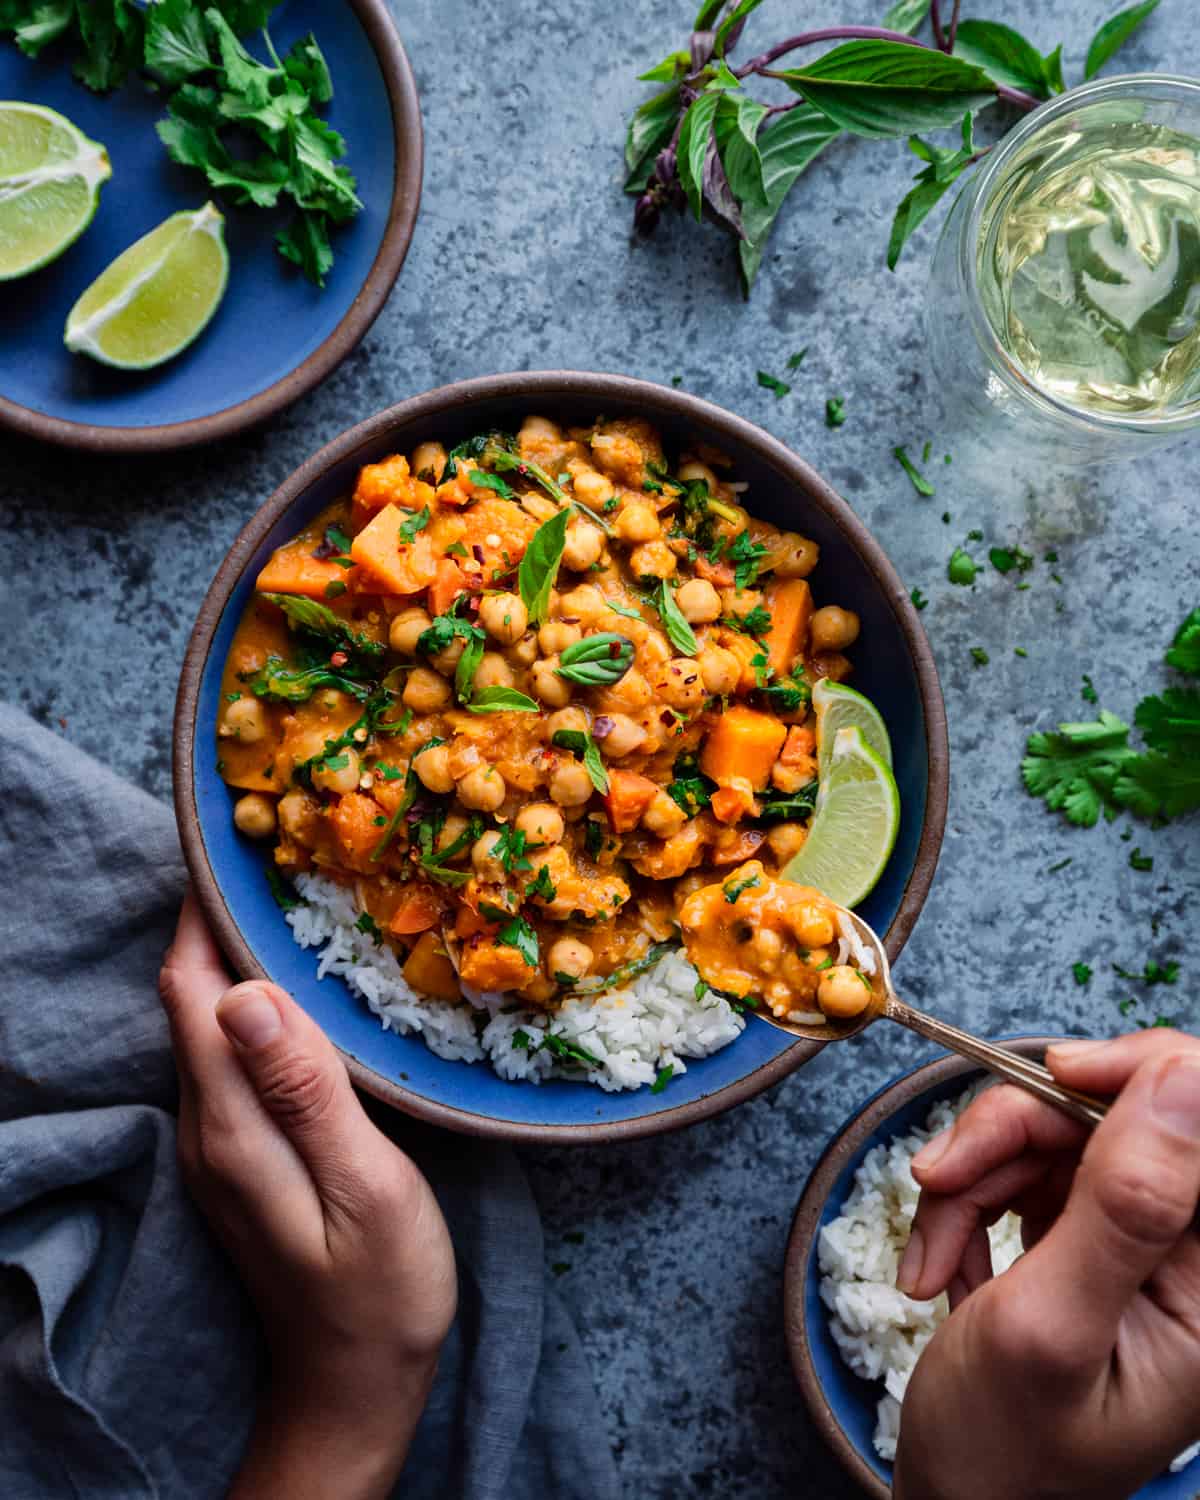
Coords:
338,659
522,471
477,553
614,648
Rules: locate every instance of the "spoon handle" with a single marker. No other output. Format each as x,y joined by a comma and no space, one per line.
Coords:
1022,1071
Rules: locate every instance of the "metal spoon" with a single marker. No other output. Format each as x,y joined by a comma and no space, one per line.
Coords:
887,1004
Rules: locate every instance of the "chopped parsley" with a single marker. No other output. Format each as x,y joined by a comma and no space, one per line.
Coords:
979,656
367,924
1140,861
663,1076
510,849
1082,973
919,482
335,587
835,411
780,388
541,885
918,598
745,554
962,568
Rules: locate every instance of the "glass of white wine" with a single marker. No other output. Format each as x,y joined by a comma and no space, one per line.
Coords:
1064,308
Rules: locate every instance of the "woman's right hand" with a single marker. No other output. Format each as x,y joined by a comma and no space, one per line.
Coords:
1076,1373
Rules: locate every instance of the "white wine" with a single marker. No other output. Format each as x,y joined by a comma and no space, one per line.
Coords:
1089,264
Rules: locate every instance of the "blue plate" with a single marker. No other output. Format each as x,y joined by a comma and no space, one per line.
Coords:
274,335
228,869
852,1400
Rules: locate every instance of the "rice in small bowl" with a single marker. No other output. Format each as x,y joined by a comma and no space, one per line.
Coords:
854,1338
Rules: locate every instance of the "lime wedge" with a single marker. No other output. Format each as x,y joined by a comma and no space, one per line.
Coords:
838,707
157,296
854,828
50,176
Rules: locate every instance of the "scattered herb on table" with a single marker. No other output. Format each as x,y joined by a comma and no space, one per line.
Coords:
1005,559
919,482
797,359
1088,691
769,383
1082,973
704,143
918,598
1140,861
979,656
962,568
835,411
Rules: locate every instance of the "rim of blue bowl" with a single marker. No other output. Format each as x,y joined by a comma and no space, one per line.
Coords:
609,391
409,147
806,1222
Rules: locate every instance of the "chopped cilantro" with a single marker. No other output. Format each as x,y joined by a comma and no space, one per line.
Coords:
1005,559
662,1078
334,588
1082,973
415,523
919,482
918,598
962,568
835,411
797,359
732,892
1140,861
979,656
769,383
366,923
1088,692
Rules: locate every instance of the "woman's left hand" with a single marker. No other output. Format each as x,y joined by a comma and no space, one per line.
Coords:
338,1236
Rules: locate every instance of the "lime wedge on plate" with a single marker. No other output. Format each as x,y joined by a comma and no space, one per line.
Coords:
157,296
854,828
838,707
50,176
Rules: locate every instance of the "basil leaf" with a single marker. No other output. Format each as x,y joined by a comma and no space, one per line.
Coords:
882,89
468,665
931,185
1005,56
487,481
539,566
505,459
906,16
597,660
1113,35
786,147
584,745
730,28
735,131
496,700
692,151
624,609
679,632
650,129
674,65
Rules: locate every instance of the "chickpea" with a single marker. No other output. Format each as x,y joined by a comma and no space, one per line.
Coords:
664,816
483,857
812,925
425,691
548,685
570,784
571,957
833,629
583,546
523,653
254,815
503,616
482,789
794,556
592,487
625,736
296,812
453,828
767,947
244,721
699,603
785,840
719,669
541,823
339,779
680,685
842,993
573,719
694,469
633,691
556,635
406,629
539,430
653,560
739,602
493,671
433,769
638,522
445,660
429,457
584,602
789,779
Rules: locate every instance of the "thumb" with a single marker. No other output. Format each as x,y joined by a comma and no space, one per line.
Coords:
300,1081
1134,1197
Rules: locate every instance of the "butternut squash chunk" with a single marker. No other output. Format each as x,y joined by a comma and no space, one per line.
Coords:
791,607
743,744
294,570
418,911
430,971
387,564
448,583
629,795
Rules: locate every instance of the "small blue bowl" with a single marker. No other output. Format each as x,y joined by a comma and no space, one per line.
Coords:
275,335
841,1404
895,668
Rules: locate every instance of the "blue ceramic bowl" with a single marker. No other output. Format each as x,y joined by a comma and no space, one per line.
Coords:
895,668
841,1404
274,335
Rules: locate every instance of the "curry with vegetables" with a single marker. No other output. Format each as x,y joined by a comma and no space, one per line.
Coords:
528,698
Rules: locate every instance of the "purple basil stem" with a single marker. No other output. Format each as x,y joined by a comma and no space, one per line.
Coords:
603,726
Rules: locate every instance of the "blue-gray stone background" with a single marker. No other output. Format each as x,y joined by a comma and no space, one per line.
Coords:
670,1251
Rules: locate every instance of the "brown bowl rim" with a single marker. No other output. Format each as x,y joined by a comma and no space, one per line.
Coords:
609,391
408,140
807,1218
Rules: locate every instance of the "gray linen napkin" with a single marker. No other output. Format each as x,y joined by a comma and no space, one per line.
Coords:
129,1356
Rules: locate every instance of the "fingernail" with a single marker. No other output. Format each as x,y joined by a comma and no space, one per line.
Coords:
1176,1100
908,1272
1074,1050
929,1155
249,1017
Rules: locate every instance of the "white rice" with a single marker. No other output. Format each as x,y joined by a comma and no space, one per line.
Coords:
880,1332
635,1033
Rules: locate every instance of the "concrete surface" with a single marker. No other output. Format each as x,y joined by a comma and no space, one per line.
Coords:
523,259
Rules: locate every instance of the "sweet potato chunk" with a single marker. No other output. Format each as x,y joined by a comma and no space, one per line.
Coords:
791,607
387,563
429,970
629,795
294,570
742,746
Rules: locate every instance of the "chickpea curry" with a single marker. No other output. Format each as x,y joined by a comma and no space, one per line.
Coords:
536,699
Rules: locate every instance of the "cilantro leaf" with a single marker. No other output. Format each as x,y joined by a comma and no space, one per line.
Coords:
962,568
1076,769
835,411
770,383
1082,973
1184,653
305,242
